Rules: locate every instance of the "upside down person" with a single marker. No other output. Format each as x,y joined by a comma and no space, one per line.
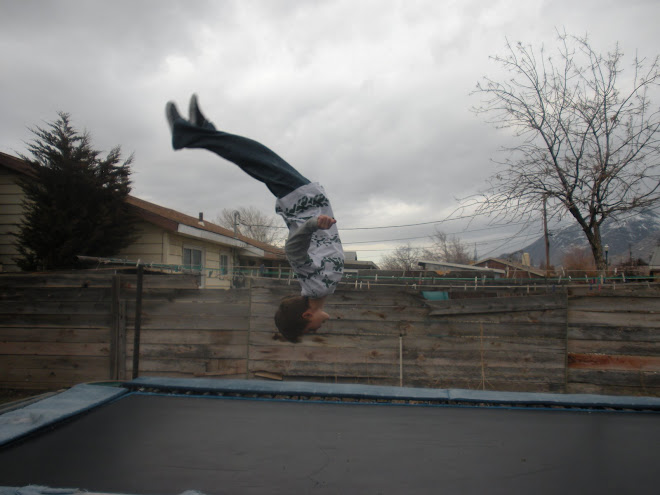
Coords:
313,247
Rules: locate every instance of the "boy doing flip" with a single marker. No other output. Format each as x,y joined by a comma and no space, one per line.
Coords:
313,247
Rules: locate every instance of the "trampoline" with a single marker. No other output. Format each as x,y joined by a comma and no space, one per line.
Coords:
168,436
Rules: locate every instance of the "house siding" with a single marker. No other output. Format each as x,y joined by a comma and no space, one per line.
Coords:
213,277
155,245
148,246
11,214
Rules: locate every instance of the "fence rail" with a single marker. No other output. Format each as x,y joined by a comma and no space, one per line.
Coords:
613,275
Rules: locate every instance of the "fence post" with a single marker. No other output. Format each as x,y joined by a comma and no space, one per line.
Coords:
400,360
114,329
138,322
117,332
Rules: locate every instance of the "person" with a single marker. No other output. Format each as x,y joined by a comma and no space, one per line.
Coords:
313,247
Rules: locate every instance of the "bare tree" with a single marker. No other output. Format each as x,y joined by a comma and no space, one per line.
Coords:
577,262
253,223
402,258
587,136
448,249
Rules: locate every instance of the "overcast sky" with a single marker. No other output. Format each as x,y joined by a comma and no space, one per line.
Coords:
370,98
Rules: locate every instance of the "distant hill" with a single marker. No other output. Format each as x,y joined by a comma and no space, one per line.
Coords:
636,234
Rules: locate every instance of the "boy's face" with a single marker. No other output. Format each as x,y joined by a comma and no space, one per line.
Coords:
315,319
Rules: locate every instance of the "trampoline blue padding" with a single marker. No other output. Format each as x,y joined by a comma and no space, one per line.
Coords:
76,400
357,391
171,435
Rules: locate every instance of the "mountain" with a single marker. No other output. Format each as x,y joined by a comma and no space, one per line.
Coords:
634,236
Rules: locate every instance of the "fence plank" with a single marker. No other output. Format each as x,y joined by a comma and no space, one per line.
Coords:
597,332
614,347
618,363
57,334
32,307
54,349
213,337
189,351
648,381
328,339
190,368
589,318
497,305
80,294
616,304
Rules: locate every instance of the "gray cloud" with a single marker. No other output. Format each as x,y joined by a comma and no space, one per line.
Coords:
371,98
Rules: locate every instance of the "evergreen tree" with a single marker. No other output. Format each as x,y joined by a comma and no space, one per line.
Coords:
75,204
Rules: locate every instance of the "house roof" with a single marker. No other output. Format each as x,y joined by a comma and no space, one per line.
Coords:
16,164
513,264
174,221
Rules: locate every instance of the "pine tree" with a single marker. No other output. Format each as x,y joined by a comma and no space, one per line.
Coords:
75,204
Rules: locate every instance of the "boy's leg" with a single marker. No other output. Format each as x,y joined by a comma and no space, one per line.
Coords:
252,157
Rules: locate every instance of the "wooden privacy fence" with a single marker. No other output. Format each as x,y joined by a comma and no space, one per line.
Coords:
60,330
395,336
613,341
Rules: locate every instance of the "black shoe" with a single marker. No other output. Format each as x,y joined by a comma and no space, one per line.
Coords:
172,114
195,116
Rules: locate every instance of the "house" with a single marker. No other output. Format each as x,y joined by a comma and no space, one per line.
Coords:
11,207
457,269
167,238
352,264
512,269
654,265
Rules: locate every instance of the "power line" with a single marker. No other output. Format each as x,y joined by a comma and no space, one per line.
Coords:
507,240
427,236
478,243
463,217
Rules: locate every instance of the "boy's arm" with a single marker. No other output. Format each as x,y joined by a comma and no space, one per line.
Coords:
297,244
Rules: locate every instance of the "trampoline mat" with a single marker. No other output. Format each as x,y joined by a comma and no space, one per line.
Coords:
144,444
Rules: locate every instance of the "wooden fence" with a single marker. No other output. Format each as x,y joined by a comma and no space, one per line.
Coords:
613,341
58,330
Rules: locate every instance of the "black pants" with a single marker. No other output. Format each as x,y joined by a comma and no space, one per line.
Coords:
252,157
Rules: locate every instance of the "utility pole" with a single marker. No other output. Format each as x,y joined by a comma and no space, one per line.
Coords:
237,219
545,235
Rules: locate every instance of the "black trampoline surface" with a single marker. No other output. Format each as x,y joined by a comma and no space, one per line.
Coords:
161,444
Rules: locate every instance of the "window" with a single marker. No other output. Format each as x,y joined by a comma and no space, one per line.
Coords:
192,259
224,264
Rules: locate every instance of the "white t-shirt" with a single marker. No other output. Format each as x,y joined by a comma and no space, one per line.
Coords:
316,255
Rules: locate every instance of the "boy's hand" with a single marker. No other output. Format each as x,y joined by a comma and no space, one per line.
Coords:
325,222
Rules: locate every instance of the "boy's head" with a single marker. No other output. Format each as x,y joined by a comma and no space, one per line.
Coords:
296,317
